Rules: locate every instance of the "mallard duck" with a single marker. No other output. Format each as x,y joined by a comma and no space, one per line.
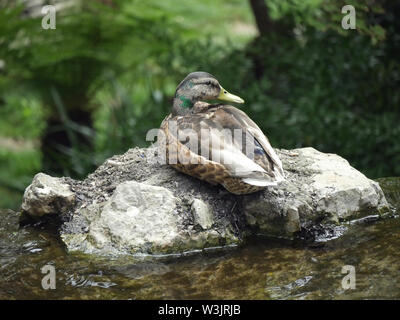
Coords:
217,143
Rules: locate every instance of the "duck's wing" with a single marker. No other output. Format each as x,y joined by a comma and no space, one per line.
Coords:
218,135
254,144
259,136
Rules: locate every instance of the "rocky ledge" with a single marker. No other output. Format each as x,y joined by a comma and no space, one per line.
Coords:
133,205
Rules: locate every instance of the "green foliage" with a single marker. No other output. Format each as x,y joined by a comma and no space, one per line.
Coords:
324,15
16,171
21,116
124,116
326,94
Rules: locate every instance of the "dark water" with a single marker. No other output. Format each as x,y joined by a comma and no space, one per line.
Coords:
262,269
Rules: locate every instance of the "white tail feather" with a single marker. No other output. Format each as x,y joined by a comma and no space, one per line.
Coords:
260,183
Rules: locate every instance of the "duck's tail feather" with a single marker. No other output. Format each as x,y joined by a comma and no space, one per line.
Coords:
264,180
258,182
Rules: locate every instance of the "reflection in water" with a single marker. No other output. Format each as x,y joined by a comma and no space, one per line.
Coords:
261,269
88,281
286,291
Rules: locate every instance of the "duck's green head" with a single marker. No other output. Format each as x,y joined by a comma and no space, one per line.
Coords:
199,86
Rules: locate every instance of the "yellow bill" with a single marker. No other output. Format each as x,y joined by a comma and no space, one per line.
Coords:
226,96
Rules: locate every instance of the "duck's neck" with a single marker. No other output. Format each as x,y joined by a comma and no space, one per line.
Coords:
182,104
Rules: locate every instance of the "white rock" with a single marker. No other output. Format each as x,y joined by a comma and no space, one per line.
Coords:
139,218
319,187
47,195
202,214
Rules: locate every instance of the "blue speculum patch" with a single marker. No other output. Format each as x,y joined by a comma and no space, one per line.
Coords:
258,148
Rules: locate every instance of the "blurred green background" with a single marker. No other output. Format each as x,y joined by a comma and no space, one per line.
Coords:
93,87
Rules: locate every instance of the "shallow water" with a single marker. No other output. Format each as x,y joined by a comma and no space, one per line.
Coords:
261,269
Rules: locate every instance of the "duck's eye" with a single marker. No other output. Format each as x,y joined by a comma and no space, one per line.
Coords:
208,83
